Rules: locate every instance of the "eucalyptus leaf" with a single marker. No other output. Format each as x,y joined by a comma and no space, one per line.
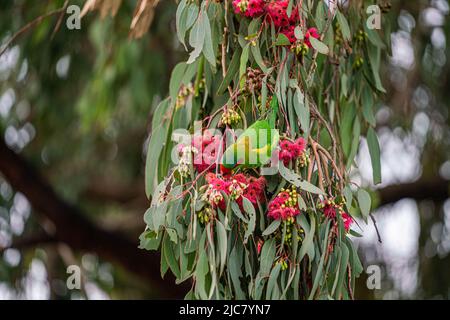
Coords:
364,201
272,228
343,23
374,151
319,46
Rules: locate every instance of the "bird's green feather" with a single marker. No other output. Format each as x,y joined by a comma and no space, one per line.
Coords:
253,148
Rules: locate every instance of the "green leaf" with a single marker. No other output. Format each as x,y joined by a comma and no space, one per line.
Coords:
234,268
256,52
164,266
197,38
298,33
243,64
289,8
267,257
357,267
346,125
159,216
321,13
374,150
289,175
272,280
155,146
148,217
374,37
291,114
172,235
282,40
212,260
169,255
309,187
201,271
337,254
343,23
250,210
208,47
297,181
272,228
318,275
237,211
368,105
254,26
348,195
364,201
180,19
149,240
185,18
307,243
355,142
374,58
222,240
355,234
302,203
342,270
176,80
319,46
302,109
231,73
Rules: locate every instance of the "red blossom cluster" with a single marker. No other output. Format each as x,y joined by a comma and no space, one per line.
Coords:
291,150
330,209
207,147
249,8
348,221
276,11
289,32
284,205
236,186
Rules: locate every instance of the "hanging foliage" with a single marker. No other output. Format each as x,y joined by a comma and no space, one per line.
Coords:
249,157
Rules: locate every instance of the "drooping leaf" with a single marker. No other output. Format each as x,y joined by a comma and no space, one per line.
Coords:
364,201
374,150
319,46
267,257
250,210
282,40
222,239
197,38
343,23
272,228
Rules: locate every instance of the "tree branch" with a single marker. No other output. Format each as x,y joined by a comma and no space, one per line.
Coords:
78,232
28,26
436,189
30,241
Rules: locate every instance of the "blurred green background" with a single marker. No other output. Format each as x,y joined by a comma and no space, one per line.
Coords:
75,109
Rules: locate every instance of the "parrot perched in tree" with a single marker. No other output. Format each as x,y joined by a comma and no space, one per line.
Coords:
255,145
252,149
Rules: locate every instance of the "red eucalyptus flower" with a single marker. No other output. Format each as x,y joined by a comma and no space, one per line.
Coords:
249,8
236,186
284,205
291,150
330,210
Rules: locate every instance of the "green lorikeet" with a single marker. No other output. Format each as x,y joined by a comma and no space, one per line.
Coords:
252,149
